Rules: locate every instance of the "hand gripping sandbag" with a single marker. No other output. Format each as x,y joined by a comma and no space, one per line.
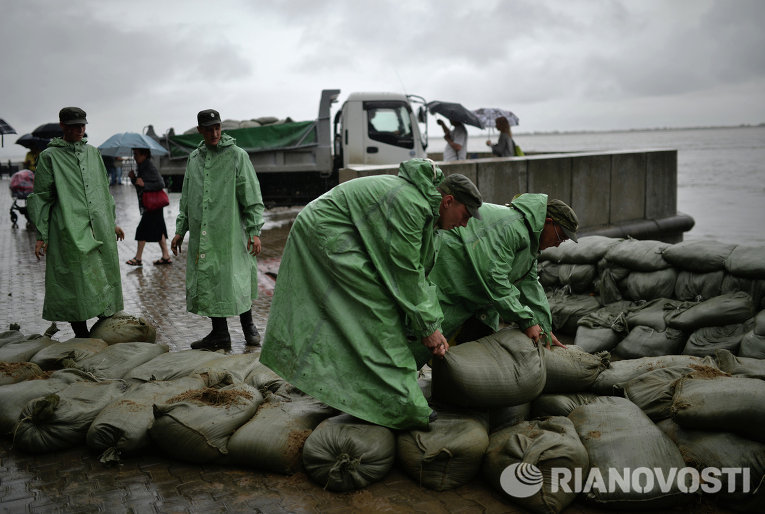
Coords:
544,444
503,369
344,453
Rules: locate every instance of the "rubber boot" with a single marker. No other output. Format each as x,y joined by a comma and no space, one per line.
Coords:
251,335
80,328
218,338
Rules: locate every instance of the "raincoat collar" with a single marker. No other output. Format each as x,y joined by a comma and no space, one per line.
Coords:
60,142
425,176
225,141
534,208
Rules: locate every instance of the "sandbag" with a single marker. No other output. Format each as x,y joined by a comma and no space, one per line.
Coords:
589,250
567,310
608,316
122,427
654,313
759,323
123,328
544,444
503,369
23,350
691,286
344,453
171,365
14,397
11,336
620,372
704,341
649,285
646,342
502,417
50,357
726,309
608,282
559,404
740,366
263,378
698,256
425,381
570,369
273,439
702,449
593,340
579,277
618,435
117,360
752,346
638,255
653,391
548,274
448,453
195,426
240,366
61,420
747,261
13,372
723,404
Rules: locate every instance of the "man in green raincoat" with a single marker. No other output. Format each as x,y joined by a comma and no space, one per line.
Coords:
74,214
353,315
222,209
489,268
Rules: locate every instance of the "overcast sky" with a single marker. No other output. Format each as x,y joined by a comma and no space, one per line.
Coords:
558,64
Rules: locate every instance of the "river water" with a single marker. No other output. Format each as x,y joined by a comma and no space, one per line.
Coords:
721,172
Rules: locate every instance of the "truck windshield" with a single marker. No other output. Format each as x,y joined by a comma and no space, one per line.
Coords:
390,122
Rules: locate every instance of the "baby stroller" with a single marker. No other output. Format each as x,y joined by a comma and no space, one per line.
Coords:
22,185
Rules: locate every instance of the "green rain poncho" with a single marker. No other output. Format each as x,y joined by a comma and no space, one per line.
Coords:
352,286
489,268
221,207
74,214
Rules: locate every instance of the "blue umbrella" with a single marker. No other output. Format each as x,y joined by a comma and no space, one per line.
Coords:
122,144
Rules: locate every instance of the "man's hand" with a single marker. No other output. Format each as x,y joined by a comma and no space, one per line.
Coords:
436,343
536,334
175,244
555,341
40,248
253,245
120,234
139,182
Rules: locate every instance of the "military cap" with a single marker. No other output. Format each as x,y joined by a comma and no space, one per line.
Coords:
208,117
72,116
564,216
464,191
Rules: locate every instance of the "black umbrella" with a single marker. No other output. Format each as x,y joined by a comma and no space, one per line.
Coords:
32,142
5,129
48,131
455,112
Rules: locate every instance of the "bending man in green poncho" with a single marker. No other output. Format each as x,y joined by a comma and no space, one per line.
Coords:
74,214
222,209
489,269
353,315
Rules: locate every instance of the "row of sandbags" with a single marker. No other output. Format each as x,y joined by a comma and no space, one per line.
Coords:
624,274
482,389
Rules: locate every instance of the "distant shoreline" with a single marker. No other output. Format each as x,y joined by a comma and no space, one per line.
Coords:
654,129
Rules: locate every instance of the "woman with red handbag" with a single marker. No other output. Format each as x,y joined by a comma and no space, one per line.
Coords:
152,226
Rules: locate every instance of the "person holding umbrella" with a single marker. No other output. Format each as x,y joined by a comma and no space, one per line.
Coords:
152,226
75,219
505,147
456,141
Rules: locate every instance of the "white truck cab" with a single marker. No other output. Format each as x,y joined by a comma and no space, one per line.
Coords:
379,128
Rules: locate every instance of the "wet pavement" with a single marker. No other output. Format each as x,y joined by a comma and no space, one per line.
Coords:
75,481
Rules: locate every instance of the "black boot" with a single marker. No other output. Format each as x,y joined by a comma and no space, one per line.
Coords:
80,329
218,338
251,335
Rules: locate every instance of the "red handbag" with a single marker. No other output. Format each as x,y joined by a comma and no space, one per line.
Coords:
154,200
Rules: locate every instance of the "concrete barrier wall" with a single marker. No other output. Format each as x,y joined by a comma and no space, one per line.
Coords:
620,194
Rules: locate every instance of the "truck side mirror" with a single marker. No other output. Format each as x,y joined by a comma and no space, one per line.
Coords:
422,115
